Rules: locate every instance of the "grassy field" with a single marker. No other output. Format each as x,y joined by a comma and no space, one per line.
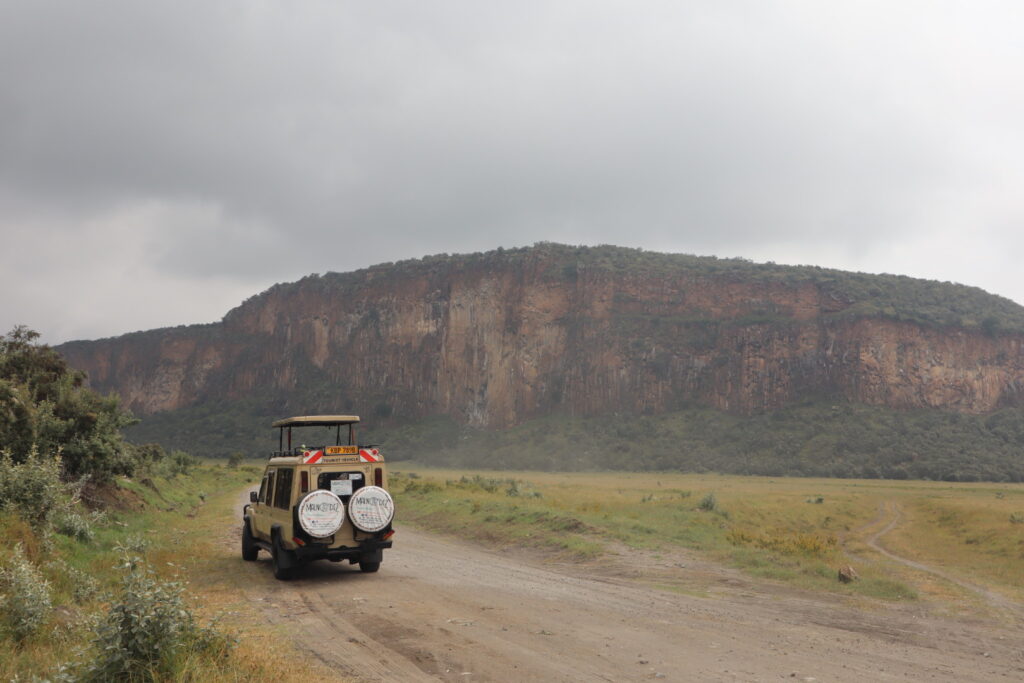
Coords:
795,530
178,526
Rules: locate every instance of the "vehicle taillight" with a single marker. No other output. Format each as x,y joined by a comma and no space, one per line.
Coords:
378,476
304,478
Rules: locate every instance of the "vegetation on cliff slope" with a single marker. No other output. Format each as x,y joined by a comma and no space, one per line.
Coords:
897,297
814,439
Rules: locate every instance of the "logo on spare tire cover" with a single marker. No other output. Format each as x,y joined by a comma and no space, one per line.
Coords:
371,508
321,513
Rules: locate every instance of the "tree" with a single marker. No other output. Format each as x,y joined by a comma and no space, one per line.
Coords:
44,404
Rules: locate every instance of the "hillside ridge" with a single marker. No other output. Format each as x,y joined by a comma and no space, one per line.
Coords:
498,338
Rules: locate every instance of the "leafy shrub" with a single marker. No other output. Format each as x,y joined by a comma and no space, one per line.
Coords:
45,406
34,489
24,596
84,587
708,503
70,523
134,545
148,633
235,459
146,455
181,463
1016,518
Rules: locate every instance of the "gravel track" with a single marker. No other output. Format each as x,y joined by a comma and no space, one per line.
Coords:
442,609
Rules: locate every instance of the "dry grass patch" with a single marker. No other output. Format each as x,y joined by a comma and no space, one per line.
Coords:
799,531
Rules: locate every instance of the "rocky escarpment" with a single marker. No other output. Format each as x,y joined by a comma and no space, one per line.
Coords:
495,339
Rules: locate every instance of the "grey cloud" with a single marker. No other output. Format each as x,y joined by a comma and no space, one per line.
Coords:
259,141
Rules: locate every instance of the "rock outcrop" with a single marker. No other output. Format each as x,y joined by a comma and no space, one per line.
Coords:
498,338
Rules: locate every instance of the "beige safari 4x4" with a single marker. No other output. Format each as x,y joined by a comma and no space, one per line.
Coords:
320,501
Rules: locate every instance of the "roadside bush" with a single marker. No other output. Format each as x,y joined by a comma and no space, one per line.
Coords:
45,406
235,459
71,524
146,455
34,489
708,503
24,596
148,633
181,462
84,587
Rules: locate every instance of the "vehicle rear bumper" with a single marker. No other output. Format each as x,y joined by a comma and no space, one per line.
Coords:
367,551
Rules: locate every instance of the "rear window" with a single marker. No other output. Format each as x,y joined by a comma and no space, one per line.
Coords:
283,489
341,483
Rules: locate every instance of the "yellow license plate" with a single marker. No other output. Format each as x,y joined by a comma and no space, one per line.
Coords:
342,450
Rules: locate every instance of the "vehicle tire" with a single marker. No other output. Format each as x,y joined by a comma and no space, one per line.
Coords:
283,568
369,567
249,548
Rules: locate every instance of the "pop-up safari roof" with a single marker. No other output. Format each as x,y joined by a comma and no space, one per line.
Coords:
317,420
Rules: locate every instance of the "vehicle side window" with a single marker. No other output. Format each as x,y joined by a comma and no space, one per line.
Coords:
263,489
269,500
283,489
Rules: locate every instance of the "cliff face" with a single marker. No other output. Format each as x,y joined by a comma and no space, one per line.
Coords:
494,340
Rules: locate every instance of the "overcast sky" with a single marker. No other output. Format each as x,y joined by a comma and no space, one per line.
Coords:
162,161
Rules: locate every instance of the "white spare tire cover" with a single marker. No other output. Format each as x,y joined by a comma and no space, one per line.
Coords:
371,508
321,513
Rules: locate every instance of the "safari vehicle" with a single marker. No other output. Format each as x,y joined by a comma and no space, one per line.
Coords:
322,501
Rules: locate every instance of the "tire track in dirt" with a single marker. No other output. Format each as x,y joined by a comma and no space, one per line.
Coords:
893,510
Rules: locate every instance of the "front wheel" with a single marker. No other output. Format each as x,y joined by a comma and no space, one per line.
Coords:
369,567
249,548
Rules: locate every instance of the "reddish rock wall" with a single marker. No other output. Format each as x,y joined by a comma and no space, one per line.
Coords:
493,345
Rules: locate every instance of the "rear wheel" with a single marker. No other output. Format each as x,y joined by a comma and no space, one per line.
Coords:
249,548
283,567
369,567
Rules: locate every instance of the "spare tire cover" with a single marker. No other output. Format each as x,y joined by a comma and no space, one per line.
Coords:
320,513
371,508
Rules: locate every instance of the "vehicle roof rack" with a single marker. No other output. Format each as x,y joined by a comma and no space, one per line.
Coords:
317,420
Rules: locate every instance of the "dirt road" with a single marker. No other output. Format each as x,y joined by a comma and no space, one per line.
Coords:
445,610
891,511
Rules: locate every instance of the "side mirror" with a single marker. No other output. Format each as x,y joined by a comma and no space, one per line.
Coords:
252,496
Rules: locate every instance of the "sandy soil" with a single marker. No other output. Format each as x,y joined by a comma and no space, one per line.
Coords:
446,610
